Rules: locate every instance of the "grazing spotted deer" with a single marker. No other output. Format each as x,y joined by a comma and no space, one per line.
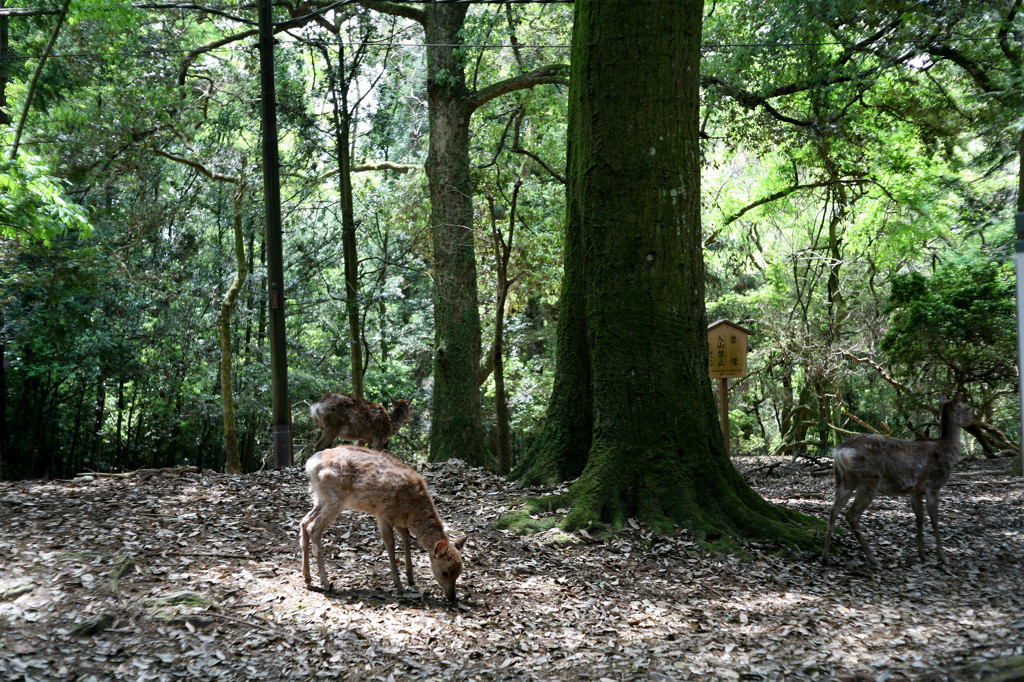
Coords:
352,418
871,465
350,477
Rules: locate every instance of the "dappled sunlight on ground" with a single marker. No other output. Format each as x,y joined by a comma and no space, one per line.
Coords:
199,577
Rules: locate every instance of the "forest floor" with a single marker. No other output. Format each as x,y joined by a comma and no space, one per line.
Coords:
197,577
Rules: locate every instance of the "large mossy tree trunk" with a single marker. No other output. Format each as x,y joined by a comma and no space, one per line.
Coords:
632,401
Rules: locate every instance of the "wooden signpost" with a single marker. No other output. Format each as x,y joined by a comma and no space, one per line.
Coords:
727,359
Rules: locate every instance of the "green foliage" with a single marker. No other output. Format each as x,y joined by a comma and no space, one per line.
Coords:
112,344
33,204
955,327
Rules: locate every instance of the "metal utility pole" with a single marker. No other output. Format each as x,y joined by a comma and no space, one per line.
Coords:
281,405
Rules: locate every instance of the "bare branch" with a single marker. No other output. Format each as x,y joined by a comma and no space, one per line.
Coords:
878,368
552,74
213,175
191,57
395,9
555,174
774,196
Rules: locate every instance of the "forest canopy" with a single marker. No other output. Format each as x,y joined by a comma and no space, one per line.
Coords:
860,168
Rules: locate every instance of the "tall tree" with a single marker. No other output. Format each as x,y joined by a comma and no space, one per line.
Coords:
233,462
632,401
340,79
455,423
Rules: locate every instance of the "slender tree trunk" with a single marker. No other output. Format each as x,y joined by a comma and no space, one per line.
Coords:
382,309
118,444
455,427
1020,173
264,315
342,125
129,437
502,253
233,463
5,117
30,94
633,296
77,429
98,417
1018,465
3,395
839,203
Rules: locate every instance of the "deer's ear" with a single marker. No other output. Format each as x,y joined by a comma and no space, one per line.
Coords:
460,542
441,548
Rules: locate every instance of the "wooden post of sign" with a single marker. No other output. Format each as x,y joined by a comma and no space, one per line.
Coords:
723,410
727,358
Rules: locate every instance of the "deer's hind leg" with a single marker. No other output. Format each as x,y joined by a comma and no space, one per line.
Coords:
865,495
327,438
843,493
311,538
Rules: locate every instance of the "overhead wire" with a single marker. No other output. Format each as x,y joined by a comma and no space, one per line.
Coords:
467,46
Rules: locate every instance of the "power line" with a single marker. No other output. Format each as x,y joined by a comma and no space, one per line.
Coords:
33,11
473,46
156,52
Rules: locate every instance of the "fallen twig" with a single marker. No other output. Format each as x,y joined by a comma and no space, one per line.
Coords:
143,474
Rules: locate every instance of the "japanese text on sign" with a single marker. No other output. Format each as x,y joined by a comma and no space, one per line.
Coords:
727,350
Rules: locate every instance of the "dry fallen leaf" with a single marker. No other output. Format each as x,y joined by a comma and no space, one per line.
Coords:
197,576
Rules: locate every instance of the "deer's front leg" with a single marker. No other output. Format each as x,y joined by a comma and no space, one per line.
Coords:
917,505
932,502
407,544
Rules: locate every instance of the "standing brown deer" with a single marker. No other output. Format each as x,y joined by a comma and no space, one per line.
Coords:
353,418
871,465
349,477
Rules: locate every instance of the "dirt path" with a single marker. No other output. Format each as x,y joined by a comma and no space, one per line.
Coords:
196,576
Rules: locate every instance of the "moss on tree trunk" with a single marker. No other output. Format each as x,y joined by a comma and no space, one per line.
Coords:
560,451
632,390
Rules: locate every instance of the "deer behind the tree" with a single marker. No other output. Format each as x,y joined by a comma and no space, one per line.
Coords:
350,417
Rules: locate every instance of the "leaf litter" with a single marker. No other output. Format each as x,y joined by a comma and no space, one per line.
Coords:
196,576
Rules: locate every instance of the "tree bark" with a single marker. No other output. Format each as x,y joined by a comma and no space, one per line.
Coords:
5,118
502,254
342,125
632,397
455,427
30,94
232,461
